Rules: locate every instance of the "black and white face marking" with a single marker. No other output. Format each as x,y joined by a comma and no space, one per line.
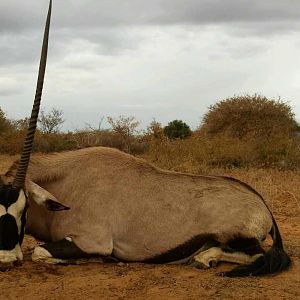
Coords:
12,223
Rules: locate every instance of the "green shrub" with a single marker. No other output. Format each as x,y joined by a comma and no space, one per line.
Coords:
177,129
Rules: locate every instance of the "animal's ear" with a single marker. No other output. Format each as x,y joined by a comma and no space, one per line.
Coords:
43,197
54,205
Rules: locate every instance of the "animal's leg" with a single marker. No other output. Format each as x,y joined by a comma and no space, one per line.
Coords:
64,252
209,258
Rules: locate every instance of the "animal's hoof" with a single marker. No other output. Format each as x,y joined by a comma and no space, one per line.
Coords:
198,265
213,263
40,254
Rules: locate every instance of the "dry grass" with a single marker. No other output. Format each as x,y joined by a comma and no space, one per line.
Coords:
200,152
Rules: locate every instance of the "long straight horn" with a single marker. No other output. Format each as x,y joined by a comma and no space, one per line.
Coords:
28,143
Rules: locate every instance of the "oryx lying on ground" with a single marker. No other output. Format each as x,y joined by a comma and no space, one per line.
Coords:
123,207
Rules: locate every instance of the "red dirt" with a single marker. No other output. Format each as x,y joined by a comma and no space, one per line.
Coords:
139,281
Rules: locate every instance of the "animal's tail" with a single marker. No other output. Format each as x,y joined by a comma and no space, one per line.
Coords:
274,261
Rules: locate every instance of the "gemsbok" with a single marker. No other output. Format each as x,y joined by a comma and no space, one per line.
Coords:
100,202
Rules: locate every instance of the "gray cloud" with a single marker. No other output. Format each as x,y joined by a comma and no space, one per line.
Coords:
162,58
16,15
8,87
18,48
110,26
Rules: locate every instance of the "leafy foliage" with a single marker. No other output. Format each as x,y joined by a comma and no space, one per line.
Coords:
125,128
50,122
177,129
239,132
250,116
5,124
155,130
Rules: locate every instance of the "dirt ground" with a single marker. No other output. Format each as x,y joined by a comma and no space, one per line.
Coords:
138,281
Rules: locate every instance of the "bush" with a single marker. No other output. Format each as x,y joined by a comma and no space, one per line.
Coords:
53,142
50,122
199,153
5,124
177,129
245,117
239,132
125,129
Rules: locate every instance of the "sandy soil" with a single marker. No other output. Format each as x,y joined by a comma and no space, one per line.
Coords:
137,281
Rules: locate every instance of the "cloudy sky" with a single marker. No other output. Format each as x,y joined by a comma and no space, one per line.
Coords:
162,59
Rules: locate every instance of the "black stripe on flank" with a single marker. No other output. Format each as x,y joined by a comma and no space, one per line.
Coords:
250,246
65,249
182,251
